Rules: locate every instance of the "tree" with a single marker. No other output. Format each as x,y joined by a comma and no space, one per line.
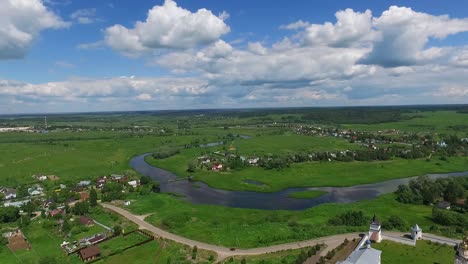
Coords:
145,180
65,226
8,214
24,220
243,261
22,191
395,222
93,198
81,208
194,252
192,166
117,230
453,191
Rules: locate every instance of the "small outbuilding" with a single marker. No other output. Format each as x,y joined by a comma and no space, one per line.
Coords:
443,205
84,220
89,253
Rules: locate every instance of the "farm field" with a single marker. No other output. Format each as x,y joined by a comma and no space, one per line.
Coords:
427,121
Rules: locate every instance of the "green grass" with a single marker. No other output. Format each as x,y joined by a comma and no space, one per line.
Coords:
306,194
234,227
90,231
312,174
157,252
424,252
282,257
110,219
135,255
119,243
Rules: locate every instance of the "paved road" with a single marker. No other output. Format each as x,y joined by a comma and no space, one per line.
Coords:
223,252
427,236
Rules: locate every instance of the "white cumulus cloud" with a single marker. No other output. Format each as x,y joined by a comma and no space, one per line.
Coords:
21,21
404,34
167,27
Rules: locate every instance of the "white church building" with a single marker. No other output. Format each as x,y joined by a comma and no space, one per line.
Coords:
416,232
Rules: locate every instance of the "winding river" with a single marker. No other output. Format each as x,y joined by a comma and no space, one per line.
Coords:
201,193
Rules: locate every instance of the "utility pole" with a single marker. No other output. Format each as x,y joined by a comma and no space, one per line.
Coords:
45,122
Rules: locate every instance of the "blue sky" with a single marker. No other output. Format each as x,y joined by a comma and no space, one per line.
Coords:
70,55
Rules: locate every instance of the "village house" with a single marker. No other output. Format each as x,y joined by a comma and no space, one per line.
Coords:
84,196
40,177
134,184
116,177
36,190
101,181
217,167
89,253
87,221
443,205
442,144
17,203
53,178
8,193
71,201
96,239
55,212
48,202
84,183
253,161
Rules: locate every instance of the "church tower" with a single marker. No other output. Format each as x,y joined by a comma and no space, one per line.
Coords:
375,231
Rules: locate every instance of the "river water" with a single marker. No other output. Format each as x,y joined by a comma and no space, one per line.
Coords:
200,193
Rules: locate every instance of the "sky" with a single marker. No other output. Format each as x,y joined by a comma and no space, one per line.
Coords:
109,55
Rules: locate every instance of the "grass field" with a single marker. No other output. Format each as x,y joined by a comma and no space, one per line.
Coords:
158,252
74,160
306,194
119,243
110,219
282,257
254,228
425,252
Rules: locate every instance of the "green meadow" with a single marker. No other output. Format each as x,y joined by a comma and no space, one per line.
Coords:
424,252
247,228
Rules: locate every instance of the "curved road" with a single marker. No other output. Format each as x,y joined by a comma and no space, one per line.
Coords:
223,252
